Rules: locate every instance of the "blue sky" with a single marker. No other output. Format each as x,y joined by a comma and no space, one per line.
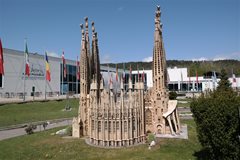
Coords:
192,29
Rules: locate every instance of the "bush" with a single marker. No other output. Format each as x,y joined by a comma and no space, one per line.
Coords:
29,129
172,95
151,137
217,119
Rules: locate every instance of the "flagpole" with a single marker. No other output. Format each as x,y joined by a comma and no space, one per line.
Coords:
62,73
45,78
25,41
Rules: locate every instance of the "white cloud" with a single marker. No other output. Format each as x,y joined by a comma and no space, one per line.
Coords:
52,54
218,58
234,55
147,59
200,59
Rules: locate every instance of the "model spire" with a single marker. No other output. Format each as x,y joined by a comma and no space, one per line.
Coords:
159,59
84,69
88,46
95,57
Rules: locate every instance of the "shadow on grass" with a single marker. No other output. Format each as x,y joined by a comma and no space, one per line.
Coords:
202,154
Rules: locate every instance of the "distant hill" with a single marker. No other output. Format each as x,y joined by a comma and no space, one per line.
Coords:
199,66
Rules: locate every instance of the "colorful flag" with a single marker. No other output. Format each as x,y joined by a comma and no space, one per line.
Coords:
110,81
123,72
214,79
78,69
1,59
116,73
27,66
48,75
234,78
138,74
64,66
214,76
108,74
130,72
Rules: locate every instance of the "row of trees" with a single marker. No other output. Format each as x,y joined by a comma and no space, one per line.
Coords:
217,118
193,66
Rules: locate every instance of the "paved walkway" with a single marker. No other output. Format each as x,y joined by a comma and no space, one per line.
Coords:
37,99
5,134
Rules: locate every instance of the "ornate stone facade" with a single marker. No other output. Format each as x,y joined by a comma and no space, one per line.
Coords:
117,121
109,119
161,114
105,117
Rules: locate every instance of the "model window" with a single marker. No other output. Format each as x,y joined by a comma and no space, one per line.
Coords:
148,117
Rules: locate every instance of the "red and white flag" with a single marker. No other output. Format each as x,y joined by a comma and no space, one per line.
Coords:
27,66
1,59
116,73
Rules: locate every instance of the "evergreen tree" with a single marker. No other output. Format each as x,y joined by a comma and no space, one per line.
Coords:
217,119
224,83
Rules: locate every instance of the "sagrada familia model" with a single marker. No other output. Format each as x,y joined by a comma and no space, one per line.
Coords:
106,118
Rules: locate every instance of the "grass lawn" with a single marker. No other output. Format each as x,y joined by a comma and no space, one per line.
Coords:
186,104
11,114
45,146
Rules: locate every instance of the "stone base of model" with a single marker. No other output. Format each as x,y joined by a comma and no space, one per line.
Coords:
116,143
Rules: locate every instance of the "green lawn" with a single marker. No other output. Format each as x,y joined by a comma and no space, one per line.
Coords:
11,114
188,100
45,146
187,105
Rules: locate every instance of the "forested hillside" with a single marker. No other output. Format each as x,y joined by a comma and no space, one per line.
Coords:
199,66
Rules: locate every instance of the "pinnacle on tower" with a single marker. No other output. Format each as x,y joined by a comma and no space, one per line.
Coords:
84,69
93,28
88,50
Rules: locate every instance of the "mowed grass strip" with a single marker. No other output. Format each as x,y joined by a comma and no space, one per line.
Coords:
12,114
45,146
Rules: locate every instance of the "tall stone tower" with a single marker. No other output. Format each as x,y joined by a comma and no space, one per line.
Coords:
84,85
89,73
157,101
159,58
160,93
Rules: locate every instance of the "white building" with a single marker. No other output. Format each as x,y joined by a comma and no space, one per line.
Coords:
179,80
12,83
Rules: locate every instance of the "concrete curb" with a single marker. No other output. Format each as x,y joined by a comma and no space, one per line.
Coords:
35,123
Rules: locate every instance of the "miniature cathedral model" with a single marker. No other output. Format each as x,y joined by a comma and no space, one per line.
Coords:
106,118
